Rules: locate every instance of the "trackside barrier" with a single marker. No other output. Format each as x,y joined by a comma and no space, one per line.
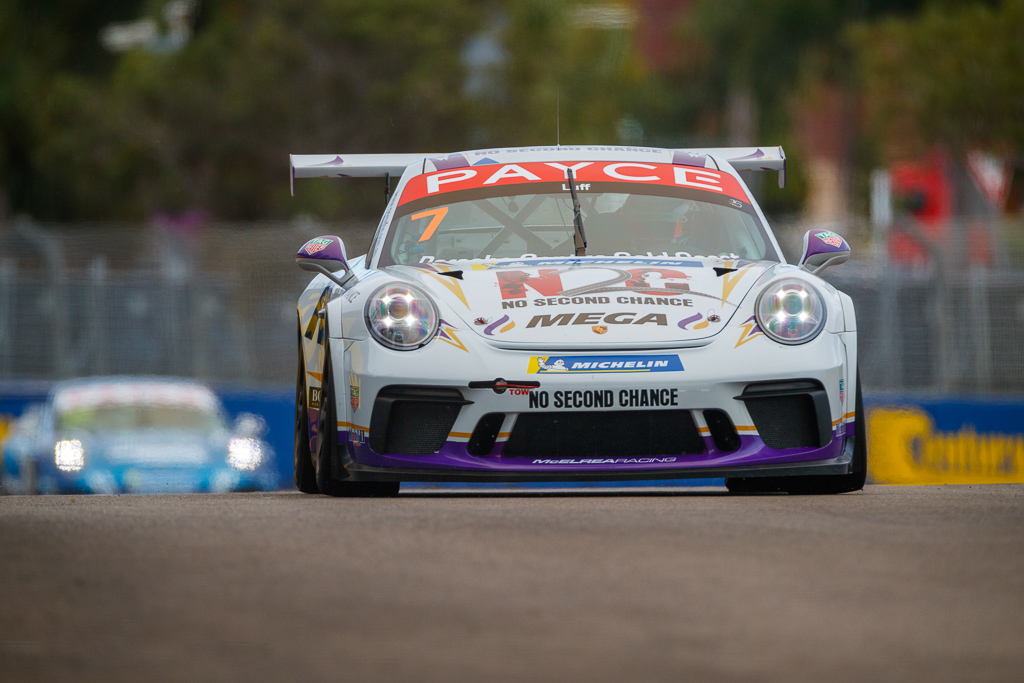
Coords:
943,439
912,438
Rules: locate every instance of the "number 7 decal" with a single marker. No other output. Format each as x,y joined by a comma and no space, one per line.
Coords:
438,215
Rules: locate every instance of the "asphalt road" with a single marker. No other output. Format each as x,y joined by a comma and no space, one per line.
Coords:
896,583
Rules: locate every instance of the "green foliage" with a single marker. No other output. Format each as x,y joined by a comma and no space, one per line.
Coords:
952,76
211,126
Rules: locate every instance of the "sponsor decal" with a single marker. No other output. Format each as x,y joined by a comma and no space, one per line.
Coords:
842,392
317,244
751,330
358,435
585,300
481,321
447,333
353,390
604,398
599,329
548,282
604,461
627,318
531,261
589,364
830,238
314,398
585,172
907,448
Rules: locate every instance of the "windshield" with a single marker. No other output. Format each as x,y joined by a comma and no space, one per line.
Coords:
123,418
530,220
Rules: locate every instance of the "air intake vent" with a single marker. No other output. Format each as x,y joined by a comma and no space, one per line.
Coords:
790,414
628,433
486,433
414,420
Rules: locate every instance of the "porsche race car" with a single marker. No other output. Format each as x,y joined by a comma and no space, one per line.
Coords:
573,314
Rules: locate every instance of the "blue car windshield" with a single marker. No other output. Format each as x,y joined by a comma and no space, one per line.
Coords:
134,417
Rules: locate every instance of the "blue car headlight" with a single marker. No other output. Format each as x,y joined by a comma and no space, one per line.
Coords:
401,317
790,311
69,455
245,453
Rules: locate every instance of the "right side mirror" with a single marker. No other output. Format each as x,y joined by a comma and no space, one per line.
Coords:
325,255
823,248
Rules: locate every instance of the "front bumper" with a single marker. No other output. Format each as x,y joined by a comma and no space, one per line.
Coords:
709,379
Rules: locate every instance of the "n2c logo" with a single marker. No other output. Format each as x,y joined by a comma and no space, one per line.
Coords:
548,282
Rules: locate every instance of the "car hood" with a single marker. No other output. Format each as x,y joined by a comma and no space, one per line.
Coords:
154,448
590,302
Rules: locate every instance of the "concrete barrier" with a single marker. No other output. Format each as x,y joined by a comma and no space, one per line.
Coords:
912,438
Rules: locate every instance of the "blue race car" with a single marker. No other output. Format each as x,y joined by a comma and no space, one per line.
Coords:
135,435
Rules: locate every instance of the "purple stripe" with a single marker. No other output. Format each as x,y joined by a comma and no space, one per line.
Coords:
489,330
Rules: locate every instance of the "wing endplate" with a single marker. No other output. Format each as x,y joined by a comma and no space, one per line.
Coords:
750,158
350,165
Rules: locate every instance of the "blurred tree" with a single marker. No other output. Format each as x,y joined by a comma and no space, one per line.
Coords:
953,76
745,63
210,126
39,39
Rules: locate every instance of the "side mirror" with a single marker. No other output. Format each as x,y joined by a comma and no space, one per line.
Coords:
325,255
250,425
822,249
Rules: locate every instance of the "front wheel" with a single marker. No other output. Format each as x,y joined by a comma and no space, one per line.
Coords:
329,469
818,485
305,477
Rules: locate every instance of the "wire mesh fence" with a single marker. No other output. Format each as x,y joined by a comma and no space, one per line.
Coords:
218,304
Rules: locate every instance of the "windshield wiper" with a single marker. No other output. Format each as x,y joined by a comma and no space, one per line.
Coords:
580,238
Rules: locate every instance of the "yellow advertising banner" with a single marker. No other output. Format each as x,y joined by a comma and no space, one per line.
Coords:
906,447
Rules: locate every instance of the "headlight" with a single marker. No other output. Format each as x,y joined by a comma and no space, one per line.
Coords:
69,455
401,317
245,453
790,311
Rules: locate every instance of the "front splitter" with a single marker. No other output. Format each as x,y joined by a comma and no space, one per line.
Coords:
842,464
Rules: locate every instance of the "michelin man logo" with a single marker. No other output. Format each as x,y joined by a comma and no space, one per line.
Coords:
557,366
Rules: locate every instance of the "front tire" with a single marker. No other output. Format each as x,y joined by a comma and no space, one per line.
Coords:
330,472
305,477
818,485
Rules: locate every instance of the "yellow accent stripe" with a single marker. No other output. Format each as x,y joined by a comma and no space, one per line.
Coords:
315,375
743,428
459,435
704,430
849,415
351,425
504,435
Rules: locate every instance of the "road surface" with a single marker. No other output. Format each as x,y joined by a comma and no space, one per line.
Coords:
895,583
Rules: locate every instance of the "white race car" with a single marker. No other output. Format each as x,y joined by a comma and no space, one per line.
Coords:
574,314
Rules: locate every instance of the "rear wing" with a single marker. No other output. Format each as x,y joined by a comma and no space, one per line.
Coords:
750,158
351,165
385,165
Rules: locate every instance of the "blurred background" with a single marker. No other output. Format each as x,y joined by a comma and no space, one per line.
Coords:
146,225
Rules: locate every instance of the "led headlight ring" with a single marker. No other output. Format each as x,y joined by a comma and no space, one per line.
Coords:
790,311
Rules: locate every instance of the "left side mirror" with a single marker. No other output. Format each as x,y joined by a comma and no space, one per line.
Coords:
250,425
822,249
325,255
